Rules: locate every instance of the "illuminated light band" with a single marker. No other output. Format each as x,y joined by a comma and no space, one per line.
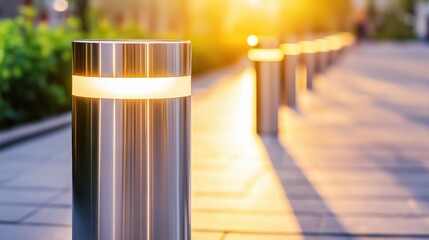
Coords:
335,42
290,48
347,38
131,88
322,45
308,46
266,55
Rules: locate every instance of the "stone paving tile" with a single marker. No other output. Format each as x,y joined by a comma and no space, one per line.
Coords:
263,223
244,236
63,199
320,207
389,238
241,204
28,232
375,225
207,236
10,213
54,216
55,180
25,196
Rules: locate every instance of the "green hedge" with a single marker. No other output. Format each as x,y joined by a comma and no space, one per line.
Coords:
34,69
35,63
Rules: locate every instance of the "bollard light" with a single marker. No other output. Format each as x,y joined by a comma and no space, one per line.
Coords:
265,55
347,39
291,53
267,68
131,132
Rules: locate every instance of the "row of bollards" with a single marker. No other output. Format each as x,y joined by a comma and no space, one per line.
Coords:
276,65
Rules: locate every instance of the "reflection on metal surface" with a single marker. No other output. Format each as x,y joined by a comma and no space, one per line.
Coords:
301,79
131,58
131,169
288,80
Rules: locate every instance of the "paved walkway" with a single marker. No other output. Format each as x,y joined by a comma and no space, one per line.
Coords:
351,163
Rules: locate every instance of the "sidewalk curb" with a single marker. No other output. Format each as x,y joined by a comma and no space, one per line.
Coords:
26,131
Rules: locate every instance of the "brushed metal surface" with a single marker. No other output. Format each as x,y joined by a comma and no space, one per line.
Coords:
131,58
288,80
310,64
131,169
267,97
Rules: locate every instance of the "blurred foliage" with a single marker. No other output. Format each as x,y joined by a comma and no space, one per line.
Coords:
208,53
392,23
35,62
34,68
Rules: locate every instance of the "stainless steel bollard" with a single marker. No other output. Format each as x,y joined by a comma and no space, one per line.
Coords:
322,54
131,139
267,68
335,45
291,52
308,55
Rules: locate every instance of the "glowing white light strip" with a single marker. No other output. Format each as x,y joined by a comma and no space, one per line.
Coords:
266,55
131,88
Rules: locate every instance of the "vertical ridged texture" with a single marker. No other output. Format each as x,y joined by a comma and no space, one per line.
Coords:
267,97
131,169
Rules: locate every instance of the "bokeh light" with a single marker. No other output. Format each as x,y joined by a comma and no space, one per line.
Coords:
252,40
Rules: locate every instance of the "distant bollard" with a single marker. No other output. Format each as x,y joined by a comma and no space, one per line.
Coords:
335,45
347,39
291,53
322,54
308,54
267,68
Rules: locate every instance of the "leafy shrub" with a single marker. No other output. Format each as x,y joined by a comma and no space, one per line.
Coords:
34,69
208,54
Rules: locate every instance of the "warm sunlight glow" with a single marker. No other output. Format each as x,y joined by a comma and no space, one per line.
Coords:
266,55
291,48
308,46
131,88
252,40
60,5
255,3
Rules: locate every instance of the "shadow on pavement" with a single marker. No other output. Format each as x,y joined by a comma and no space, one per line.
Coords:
296,192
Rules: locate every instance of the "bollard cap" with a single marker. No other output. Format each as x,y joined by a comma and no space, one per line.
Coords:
131,69
131,58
